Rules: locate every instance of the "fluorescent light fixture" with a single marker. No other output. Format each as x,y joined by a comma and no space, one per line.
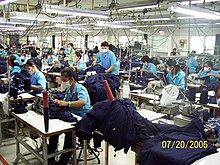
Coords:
124,21
6,26
156,19
137,31
4,2
195,11
217,23
74,11
15,21
139,7
186,17
32,16
164,25
14,28
196,2
112,25
75,27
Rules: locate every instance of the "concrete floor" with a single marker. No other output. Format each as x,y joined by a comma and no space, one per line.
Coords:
7,150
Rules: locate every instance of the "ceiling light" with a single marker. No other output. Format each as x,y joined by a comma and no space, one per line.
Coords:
4,2
6,26
156,19
139,7
15,21
124,21
112,25
196,2
74,11
137,31
217,23
14,28
164,25
75,27
37,17
195,11
186,17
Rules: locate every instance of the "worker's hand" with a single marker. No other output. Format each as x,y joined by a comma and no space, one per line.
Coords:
106,71
209,74
3,75
66,59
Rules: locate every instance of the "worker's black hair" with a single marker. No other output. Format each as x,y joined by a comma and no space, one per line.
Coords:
61,49
32,62
37,48
34,53
174,48
216,90
105,43
12,60
145,59
209,63
69,73
194,52
49,53
71,44
171,62
78,54
1,47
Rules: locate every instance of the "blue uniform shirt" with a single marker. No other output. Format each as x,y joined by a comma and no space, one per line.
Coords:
4,53
212,78
18,59
150,67
38,79
107,61
79,93
14,69
52,59
192,64
178,79
80,64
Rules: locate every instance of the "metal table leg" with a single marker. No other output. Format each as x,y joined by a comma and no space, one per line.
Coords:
45,152
85,151
106,153
74,145
17,143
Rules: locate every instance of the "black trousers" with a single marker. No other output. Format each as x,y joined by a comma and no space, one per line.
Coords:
64,158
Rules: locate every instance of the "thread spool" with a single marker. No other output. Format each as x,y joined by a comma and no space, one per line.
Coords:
46,110
192,94
204,96
108,91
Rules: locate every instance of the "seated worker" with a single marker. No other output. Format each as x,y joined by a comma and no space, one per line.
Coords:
50,58
212,75
2,51
71,53
192,63
34,57
107,59
14,66
148,67
61,52
77,99
38,80
62,62
17,58
174,52
175,76
78,64
38,52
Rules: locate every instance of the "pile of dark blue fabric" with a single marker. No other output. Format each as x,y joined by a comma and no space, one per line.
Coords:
57,112
98,68
95,86
152,152
3,67
122,126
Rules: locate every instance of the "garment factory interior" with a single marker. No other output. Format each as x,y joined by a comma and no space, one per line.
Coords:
110,82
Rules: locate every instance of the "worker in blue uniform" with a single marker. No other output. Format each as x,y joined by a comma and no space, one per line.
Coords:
34,56
3,52
192,63
77,99
148,67
17,58
38,80
175,76
14,66
211,76
107,59
78,63
50,58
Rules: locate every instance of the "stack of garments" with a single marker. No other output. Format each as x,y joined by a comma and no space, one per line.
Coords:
98,68
122,126
94,85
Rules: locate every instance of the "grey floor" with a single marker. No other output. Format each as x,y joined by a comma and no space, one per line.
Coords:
7,150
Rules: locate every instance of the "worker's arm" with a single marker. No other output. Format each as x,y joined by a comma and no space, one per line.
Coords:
78,103
110,69
215,75
148,71
35,87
